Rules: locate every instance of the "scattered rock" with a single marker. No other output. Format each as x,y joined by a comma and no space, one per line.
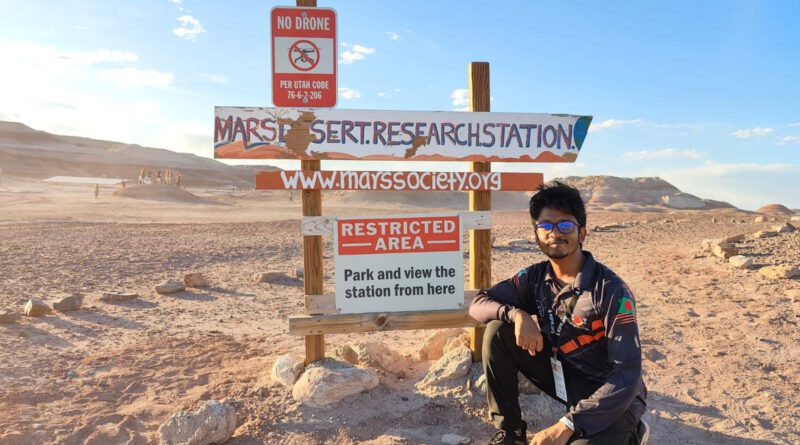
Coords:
734,239
269,277
70,303
212,423
376,355
8,316
455,342
714,220
286,369
760,219
740,261
784,228
170,287
779,272
195,279
725,252
323,385
764,234
455,439
709,244
517,243
111,297
433,346
346,353
454,364
299,272
35,308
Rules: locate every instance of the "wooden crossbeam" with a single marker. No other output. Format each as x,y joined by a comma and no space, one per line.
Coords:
323,225
385,321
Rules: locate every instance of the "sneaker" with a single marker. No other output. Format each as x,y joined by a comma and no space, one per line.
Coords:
503,437
643,432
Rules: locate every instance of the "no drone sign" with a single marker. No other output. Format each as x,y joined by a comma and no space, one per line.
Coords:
303,57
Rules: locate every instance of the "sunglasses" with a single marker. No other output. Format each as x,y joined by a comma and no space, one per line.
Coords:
565,227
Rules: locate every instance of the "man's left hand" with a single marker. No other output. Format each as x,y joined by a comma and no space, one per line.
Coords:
557,434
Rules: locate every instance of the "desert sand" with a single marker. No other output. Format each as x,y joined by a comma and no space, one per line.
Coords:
719,344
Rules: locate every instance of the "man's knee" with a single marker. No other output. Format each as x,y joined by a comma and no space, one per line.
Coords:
497,334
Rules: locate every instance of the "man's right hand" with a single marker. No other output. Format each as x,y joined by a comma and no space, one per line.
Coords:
526,329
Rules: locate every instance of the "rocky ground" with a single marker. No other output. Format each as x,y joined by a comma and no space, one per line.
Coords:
719,343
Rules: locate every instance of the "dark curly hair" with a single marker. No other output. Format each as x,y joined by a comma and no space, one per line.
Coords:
561,197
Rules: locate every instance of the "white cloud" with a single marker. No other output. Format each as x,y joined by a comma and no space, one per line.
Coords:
134,77
670,153
796,124
355,53
789,140
614,123
393,35
460,98
748,133
349,93
390,93
214,78
190,28
184,137
175,2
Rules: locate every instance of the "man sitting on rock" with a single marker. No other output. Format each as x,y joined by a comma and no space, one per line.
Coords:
569,326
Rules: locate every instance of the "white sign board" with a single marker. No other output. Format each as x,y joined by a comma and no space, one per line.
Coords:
398,263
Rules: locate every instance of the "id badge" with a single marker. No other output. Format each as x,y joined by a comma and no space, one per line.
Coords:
558,378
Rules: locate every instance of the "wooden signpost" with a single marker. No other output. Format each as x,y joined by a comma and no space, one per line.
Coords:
404,271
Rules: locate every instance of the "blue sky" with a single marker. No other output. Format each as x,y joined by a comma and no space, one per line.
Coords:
703,94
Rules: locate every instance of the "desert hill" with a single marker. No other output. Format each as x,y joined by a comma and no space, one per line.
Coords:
775,208
29,153
631,194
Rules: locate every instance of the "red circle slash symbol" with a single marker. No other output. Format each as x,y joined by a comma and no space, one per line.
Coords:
304,55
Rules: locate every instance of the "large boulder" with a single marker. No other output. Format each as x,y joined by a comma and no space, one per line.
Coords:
376,355
170,287
70,303
286,369
323,385
454,364
433,346
212,423
36,308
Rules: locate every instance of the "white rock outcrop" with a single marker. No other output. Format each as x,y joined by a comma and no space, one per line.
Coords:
212,423
36,308
433,346
454,364
322,385
740,261
286,369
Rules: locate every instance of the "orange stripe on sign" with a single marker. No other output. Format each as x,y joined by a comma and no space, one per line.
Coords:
597,324
569,346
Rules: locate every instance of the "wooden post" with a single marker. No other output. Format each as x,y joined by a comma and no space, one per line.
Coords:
480,241
312,261
312,246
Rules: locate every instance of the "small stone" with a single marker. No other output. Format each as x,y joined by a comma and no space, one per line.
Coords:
517,242
195,279
169,287
764,234
8,316
714,220
709,244
784,228
269,276
453,365
760,219
326,384
286,369
70,303
724,252
779,272
112,297
740,261
35,308
299,272
346,353
212,423
455,439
